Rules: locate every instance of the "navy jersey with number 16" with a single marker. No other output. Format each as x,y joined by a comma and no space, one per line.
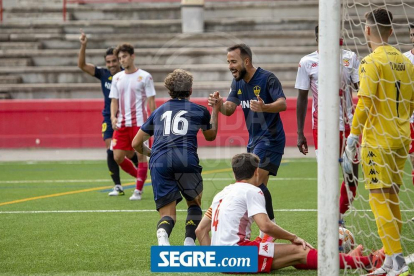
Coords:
175,125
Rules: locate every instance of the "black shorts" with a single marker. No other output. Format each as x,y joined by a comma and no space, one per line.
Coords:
174,177
269,160
107,131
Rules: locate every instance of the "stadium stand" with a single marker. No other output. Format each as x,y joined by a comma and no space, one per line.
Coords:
38,50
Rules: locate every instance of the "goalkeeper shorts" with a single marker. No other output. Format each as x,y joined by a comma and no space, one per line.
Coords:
383,167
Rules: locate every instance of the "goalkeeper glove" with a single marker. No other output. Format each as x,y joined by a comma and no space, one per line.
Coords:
349,153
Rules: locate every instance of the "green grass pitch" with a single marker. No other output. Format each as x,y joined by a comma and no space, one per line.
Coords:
78,229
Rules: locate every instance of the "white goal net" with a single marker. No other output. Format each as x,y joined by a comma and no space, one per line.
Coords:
360,219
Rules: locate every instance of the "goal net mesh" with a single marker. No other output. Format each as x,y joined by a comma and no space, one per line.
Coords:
359,218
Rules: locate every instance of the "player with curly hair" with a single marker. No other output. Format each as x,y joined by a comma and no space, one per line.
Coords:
174,163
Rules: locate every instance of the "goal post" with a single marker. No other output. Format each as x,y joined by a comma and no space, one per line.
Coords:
328,142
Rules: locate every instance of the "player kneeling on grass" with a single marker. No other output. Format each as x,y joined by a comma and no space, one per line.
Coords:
174,164
238,205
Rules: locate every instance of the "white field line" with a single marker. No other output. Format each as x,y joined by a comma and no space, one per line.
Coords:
36,162
151,210
108,180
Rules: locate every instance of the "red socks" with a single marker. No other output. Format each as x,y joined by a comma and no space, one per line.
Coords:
344,200
344,261
311,261
129,167
141,175
352,262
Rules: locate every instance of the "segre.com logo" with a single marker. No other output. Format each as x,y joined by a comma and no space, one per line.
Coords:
204,258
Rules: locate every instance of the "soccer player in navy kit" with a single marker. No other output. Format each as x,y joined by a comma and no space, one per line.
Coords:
174,163
105,76
261,97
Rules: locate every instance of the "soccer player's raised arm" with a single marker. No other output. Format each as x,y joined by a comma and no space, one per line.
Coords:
85,67
204,228
301,108
138,143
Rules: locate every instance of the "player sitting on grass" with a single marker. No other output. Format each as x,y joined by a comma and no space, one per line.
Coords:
238,205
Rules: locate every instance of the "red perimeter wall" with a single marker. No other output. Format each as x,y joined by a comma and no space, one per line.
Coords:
77,124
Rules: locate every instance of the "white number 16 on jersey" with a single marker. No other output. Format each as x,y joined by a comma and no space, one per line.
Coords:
179,124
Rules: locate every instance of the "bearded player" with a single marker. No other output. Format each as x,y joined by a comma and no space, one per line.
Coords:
261,97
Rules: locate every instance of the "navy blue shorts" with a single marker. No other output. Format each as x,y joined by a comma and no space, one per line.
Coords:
107,131
269,160
175,176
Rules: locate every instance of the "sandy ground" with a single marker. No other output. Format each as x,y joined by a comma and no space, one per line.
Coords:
36,154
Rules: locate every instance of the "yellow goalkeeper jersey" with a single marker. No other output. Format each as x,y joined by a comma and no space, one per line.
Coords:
386,76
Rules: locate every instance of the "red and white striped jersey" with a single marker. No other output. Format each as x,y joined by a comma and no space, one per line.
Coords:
132,91
307,78
410,56
232,213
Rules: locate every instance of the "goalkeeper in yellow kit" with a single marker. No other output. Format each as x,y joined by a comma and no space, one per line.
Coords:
383,114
